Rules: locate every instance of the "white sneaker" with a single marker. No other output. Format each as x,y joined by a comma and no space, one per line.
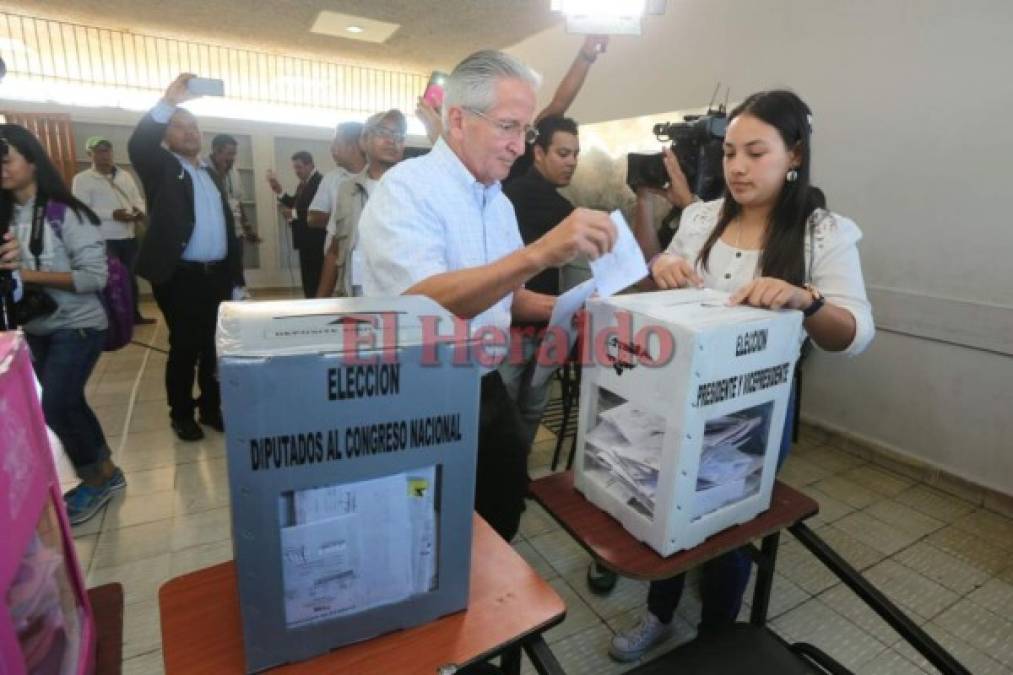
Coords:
631,644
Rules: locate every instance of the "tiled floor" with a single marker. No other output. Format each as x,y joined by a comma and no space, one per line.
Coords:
945,561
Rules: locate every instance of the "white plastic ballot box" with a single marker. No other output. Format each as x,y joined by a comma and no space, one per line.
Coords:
351,445
682,406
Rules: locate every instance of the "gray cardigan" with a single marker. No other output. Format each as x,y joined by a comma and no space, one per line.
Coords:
82,252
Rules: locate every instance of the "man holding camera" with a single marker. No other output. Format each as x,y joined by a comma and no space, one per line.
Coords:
113,195
439,225
190,254
295,208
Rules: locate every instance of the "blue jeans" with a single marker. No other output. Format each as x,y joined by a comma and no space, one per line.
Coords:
63,362
724,578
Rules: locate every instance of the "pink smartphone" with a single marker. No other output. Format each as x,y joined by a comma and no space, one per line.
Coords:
434,89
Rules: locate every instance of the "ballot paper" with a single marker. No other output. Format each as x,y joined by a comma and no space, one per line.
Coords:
624,265
627,445
321,564
634,424
567,305
421,513
359,545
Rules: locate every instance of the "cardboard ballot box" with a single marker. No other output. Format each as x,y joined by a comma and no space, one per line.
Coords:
351,458
46,624
682,408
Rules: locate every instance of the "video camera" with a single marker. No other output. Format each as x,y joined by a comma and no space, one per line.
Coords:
697,144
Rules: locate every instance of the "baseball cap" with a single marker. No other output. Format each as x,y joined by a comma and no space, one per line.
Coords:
95,141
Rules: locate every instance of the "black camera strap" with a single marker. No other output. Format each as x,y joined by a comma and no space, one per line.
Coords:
37,239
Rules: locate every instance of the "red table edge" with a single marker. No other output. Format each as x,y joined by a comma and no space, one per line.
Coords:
518,640
565,479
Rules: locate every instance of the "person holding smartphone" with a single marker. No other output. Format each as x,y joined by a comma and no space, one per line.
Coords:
63,258
593,45
770,242
190,254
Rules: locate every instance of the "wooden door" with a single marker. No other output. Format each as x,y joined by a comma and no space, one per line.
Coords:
56,134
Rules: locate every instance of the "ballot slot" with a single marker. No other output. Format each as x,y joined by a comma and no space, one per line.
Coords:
350,547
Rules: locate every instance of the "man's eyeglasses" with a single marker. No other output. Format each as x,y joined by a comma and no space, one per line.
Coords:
508,129
388,133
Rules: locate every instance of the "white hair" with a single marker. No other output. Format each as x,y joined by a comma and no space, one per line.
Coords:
473,82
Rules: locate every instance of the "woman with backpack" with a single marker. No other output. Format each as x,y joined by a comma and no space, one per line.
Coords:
64,270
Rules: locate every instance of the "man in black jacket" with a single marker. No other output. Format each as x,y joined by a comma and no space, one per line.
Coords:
308,241
190,254
539,208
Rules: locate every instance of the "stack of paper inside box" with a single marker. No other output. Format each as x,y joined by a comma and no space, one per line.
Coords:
628,443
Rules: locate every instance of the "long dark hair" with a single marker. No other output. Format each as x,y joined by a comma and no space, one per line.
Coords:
783,255
49,184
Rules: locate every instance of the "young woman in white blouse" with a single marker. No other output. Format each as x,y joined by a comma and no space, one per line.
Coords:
771,243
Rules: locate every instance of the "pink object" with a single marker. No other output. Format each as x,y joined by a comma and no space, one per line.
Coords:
46,624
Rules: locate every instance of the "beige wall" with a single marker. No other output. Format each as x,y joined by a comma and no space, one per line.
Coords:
910,99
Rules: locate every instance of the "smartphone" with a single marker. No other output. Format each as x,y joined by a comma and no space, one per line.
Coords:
205,86
434,89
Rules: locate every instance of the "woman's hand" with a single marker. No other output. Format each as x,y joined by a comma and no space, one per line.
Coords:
772,294
671,271
10,253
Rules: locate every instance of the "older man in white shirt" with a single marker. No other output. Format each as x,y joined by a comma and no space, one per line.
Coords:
440,226
113,195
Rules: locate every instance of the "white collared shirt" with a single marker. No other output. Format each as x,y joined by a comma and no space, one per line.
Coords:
428,216
94,189
831,261
326,197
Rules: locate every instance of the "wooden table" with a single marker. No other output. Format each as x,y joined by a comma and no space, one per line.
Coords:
614,548
107,607
509,606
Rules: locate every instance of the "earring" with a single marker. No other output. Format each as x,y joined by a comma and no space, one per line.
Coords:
791,176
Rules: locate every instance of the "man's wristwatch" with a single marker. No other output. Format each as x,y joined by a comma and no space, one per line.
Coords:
817,302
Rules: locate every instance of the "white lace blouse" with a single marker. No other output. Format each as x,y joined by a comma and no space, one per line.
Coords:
835,268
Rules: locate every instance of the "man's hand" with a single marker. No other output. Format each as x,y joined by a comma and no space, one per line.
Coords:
272,180
593,46
677,192
250,235
772,294
672,271
123,216
583,232
10,253
178,92
286,213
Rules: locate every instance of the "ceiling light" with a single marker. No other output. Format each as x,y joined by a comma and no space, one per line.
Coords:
606,16
352,27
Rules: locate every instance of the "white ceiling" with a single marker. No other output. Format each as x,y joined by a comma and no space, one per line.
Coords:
434,34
